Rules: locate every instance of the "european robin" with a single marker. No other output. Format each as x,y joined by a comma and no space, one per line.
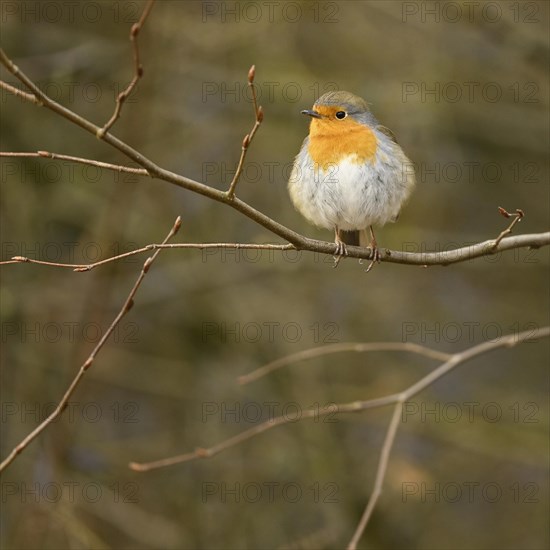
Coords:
350,173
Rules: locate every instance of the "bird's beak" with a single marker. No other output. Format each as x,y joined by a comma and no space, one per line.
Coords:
312,113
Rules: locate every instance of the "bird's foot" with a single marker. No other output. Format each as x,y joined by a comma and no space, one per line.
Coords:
341,252
375,257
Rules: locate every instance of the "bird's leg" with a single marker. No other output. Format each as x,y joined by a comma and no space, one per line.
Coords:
375,252
341,249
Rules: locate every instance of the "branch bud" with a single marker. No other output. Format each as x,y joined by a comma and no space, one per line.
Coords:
251,74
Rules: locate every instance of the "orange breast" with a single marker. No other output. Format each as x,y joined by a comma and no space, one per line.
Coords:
330,141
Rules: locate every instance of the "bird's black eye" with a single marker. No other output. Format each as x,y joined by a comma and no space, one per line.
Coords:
341,114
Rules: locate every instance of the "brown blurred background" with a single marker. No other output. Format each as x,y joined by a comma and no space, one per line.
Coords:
464,87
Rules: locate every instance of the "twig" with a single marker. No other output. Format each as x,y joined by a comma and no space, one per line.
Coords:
129,302
200,246
19,93
299,241
517,218
259,116
321,351
380,475
335,408
79,160
138,70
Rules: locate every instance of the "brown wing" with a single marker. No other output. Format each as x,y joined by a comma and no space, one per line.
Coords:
386,131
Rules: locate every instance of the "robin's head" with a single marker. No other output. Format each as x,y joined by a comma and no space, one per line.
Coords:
339,110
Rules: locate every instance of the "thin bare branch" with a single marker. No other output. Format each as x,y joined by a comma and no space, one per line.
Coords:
19,93
138,70
258,117
335,408
518,216
147,248
129,302
79,160
321,351
380,474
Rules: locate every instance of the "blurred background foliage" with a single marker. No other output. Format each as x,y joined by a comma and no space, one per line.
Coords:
465,90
